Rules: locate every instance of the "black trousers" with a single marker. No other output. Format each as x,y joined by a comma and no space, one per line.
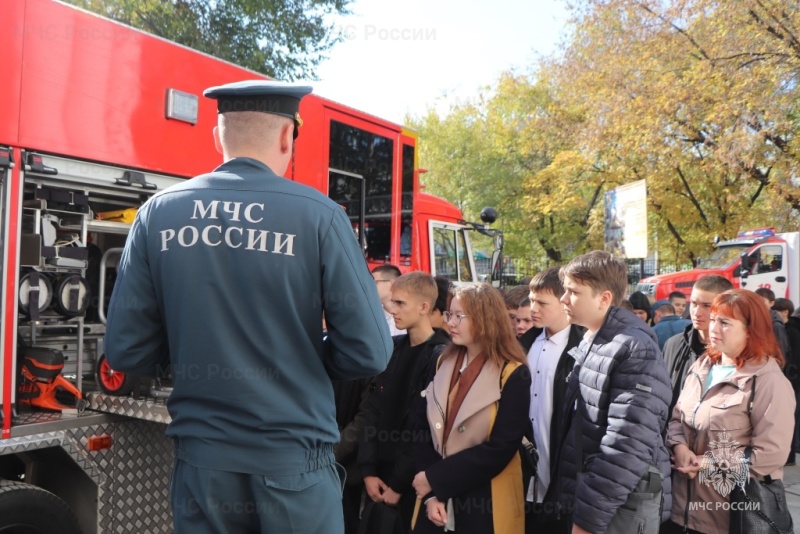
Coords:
537,522
351,507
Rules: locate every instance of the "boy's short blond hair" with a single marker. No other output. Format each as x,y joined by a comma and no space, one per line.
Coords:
418,284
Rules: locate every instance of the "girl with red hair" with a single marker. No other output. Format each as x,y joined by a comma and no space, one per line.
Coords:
718,415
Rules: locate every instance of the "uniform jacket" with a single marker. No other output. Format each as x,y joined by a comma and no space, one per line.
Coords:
701,422
480,473
563,369
679,357
385,448
226,277
622,390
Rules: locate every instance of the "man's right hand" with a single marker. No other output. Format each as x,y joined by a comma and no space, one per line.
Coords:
375,488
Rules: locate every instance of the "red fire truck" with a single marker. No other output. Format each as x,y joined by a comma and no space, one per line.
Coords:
96,118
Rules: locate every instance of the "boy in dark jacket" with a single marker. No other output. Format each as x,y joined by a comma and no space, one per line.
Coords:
616,407
778,326
384,454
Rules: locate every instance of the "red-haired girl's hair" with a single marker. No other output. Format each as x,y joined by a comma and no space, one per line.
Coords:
751,309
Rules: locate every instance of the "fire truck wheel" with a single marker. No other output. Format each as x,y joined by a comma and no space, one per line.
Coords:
113,382
26,509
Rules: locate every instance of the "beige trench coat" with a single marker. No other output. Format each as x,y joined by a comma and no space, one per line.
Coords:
717,428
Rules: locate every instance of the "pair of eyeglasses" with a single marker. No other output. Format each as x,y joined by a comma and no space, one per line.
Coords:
455,317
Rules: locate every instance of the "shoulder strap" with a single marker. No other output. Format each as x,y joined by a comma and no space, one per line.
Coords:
508,368
505,372
748,451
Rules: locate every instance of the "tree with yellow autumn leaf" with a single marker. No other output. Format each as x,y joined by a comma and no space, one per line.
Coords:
698,97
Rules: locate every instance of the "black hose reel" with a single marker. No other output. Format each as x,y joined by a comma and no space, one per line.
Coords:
69,294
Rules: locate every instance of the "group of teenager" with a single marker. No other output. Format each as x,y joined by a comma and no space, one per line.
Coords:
578,424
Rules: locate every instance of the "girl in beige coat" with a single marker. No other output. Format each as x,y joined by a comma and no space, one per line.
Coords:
477,406
716,417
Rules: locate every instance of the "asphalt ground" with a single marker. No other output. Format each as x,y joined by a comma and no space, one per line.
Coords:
791,481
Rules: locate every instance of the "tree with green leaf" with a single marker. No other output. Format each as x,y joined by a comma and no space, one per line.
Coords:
499,150
284,39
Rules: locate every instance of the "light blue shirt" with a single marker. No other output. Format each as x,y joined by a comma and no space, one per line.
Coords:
717,374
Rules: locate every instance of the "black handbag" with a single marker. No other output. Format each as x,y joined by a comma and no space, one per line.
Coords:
759,507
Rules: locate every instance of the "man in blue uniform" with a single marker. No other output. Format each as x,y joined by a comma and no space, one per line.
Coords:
224,279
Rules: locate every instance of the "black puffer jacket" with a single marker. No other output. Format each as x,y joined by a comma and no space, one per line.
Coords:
623,389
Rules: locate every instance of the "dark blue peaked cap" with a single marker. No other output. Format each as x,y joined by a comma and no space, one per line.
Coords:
279,98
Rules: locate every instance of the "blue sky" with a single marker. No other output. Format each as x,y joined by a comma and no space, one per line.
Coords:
404,57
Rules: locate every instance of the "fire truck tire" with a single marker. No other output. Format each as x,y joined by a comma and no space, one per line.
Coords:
27,509
113,382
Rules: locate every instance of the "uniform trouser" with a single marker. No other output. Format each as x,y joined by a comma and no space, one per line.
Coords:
205,501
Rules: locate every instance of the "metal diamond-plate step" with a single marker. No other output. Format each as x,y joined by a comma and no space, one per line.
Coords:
147,409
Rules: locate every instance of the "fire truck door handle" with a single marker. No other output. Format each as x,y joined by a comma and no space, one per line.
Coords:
35,163
135,178
6,157
780,278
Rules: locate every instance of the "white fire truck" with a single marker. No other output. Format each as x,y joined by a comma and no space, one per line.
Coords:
96,118
757,258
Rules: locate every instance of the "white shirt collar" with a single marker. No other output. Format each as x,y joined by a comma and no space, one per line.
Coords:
560,337
589,336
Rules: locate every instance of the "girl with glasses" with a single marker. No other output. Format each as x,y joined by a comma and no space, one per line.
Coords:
473,419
